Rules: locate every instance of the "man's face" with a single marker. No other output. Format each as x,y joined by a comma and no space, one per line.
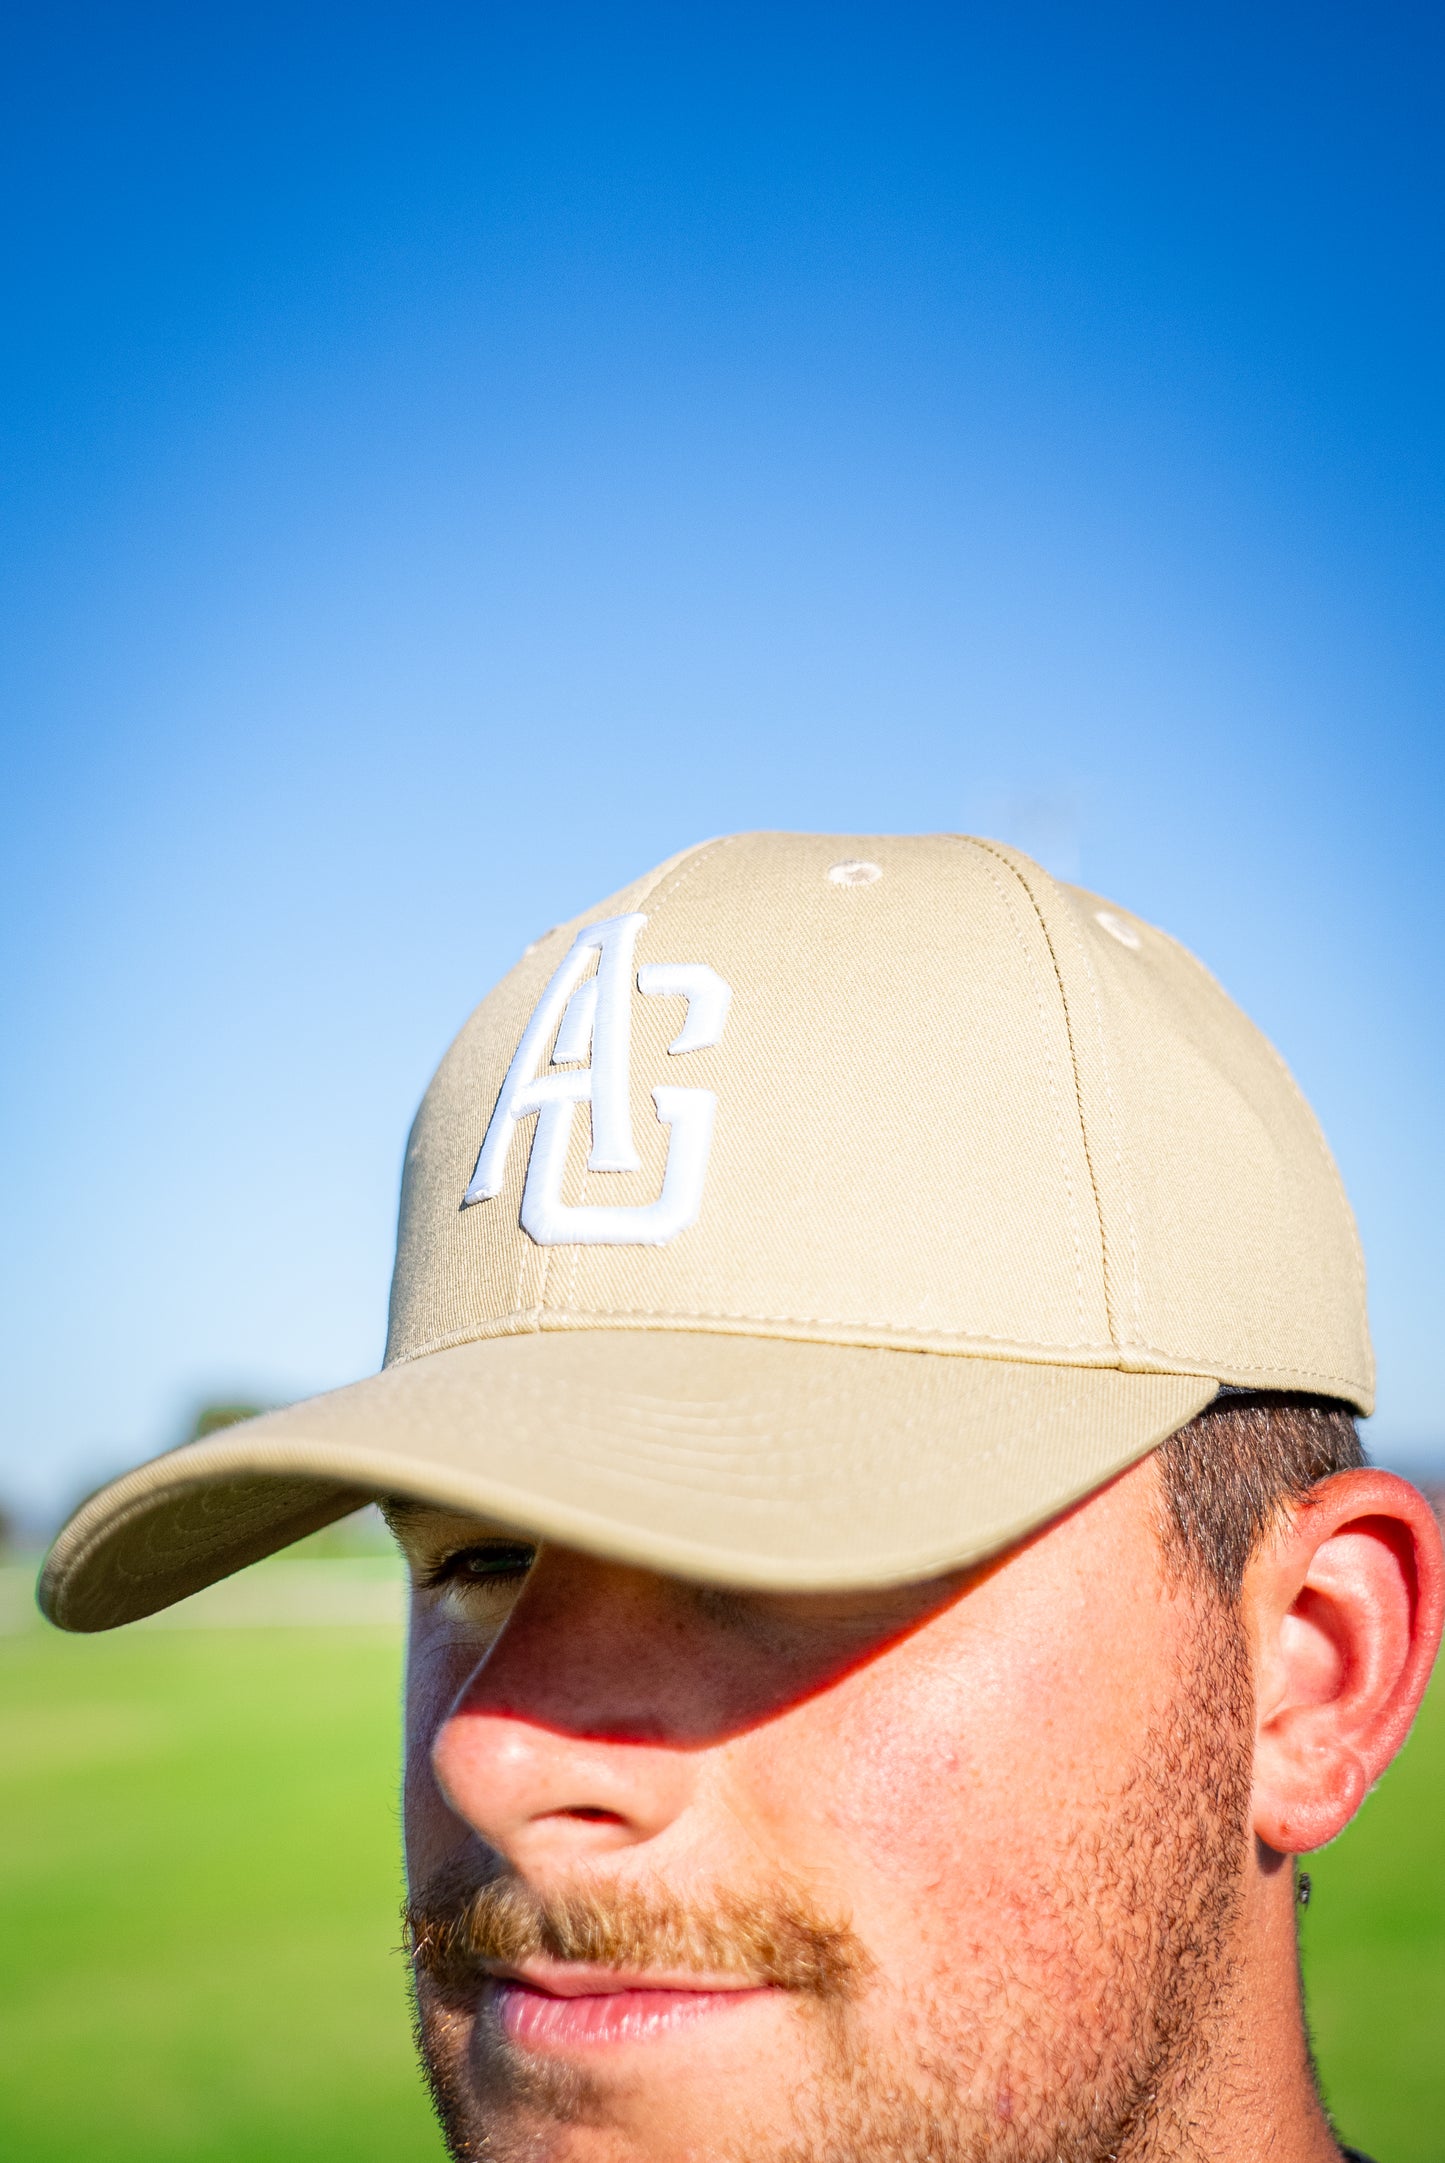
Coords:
948,1871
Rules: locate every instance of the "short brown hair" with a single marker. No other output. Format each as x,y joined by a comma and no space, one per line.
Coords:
1230,1475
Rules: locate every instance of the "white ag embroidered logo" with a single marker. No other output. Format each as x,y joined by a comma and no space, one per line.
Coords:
595,1013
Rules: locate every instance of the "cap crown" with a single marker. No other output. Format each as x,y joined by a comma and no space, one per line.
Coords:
895,1091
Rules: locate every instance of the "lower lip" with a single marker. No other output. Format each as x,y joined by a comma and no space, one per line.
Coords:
536,2020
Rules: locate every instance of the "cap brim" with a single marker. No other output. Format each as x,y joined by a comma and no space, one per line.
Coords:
735,1460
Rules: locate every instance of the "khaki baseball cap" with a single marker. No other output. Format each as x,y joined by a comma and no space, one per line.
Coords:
817,1211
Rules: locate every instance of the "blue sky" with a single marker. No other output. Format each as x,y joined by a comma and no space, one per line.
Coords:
455,457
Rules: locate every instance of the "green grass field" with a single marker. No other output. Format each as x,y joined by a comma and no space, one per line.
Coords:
199,1887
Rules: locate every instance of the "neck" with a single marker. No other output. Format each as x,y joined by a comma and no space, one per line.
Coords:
1248,2090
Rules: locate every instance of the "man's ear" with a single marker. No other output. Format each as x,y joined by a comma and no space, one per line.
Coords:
1343,1607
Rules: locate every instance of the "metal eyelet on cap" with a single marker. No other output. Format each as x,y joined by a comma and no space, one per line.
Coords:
854,871
1118,928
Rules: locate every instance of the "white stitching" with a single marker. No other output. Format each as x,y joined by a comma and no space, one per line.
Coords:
657,893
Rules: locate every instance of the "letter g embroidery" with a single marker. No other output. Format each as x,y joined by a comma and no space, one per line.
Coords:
595,1017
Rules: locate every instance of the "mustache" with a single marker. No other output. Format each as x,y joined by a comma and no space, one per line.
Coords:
462,1925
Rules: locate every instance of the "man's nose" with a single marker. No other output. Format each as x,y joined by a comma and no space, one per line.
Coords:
565,1743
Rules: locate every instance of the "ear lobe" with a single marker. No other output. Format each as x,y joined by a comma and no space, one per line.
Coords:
1344,1610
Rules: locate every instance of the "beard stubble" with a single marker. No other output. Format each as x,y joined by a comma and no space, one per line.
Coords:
1085,2030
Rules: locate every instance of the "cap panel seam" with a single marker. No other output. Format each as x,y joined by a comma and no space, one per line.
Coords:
1332,1170
991,849
1357,1252
682,869
1034,1352
1136,1289
1075,1229
560,1321
1033,1355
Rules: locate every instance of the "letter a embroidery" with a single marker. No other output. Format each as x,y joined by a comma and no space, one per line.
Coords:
592,1017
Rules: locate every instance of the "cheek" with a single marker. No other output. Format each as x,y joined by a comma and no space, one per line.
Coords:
968,1757
440,1660
879,1779
435,1671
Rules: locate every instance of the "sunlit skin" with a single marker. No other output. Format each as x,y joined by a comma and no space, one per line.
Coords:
926,1764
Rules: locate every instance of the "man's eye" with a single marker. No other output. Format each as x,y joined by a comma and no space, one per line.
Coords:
500,1562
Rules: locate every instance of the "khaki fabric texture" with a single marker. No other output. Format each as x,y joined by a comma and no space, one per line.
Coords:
1001,1187
713,1457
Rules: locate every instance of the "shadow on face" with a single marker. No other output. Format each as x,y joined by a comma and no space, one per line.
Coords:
955,1801
597,1648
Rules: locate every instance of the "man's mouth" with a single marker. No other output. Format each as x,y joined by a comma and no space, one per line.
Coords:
567,2009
